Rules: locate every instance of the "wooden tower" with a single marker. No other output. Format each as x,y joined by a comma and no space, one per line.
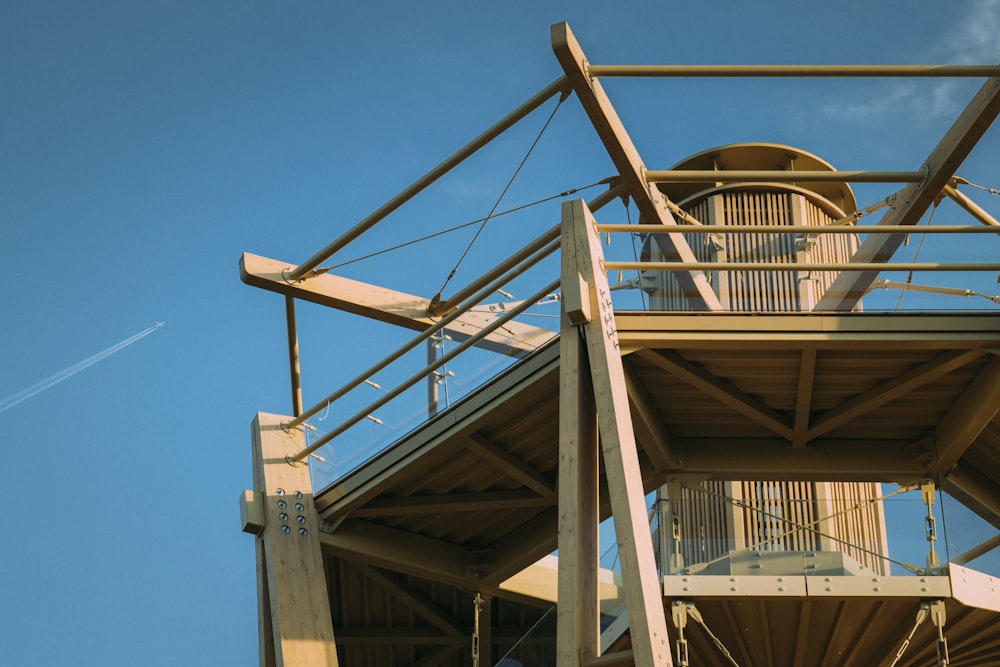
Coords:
438,549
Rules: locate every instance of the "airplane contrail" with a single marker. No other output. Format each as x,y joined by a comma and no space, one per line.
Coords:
38,387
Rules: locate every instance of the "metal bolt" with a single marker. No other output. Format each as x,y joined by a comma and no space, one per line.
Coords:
303,532
300,519
283,516
285,529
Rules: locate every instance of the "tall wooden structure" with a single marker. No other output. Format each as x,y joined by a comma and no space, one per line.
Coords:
712,520
436,550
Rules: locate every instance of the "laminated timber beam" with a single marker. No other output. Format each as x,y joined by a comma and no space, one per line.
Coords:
967,418
974,490
385,305
915,198
719,390
892,389
587,306
399,551
294,598
650,201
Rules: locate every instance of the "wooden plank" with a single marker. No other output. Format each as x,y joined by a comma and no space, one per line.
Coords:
650,201
967,418
385,305
914,199
300,618
621,461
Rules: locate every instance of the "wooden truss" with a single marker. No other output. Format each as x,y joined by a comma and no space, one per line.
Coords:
605,415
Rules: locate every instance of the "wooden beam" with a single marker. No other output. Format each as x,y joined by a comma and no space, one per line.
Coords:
774,460
892,389
510,465
914,199
399,551
265,631
439,656
300,620
967,418
621,462
451,503
663,453
385,635
415,600
577,620
719,389
974,490
523,546
385,305
803,396
650,201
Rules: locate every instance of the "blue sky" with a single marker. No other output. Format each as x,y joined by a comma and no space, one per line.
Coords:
145,145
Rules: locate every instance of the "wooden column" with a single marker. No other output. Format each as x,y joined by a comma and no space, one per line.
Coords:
587,303
578,621
296,626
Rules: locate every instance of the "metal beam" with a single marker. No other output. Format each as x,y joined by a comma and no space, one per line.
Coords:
914,199
650,201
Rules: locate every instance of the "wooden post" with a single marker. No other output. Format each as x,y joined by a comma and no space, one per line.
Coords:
577,622
588,304
292,583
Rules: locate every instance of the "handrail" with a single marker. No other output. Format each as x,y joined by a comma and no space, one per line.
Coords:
560,85
796,266
797,229
785,176
422,373
551,235
426,334
794,70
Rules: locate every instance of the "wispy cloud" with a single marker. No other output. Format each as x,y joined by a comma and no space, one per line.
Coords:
972,38
975,37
